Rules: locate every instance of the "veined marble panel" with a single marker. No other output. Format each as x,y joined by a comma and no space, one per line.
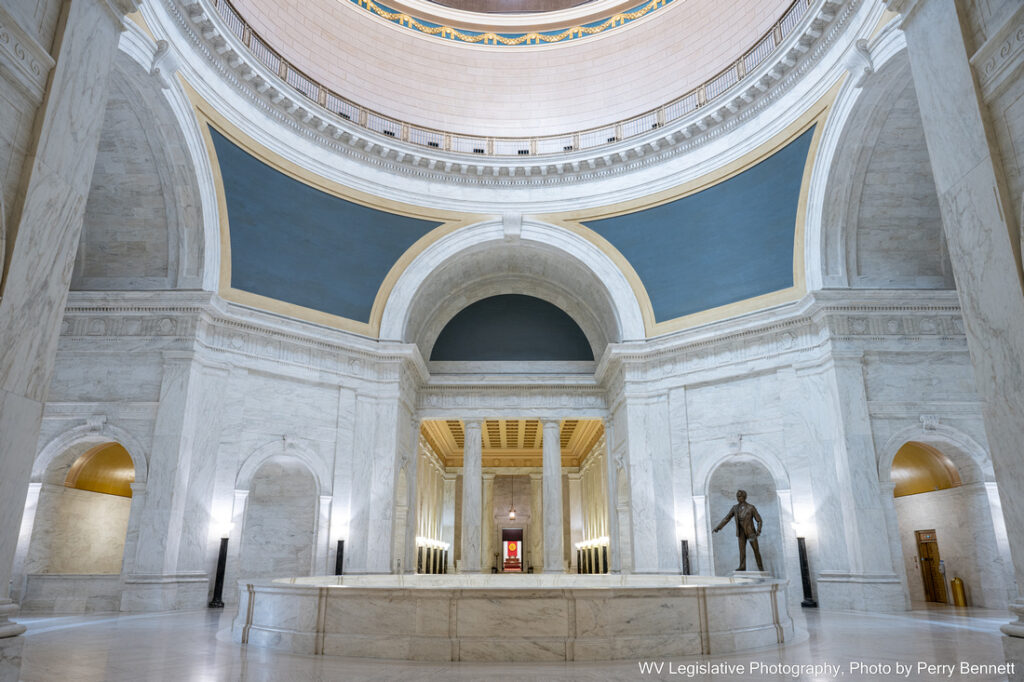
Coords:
512,618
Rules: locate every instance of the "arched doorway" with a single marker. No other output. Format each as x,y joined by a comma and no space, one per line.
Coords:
743,472
945,528
279,526
79,529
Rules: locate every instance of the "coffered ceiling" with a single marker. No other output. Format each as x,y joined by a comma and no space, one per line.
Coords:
513,442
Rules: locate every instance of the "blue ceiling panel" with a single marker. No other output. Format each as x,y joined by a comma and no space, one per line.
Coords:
724,244
297,244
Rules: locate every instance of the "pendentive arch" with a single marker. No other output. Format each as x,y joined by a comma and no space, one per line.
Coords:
153,78
857,112
542,260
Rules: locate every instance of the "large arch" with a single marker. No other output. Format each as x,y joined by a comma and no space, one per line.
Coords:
968,513
151,131
541,260
873,132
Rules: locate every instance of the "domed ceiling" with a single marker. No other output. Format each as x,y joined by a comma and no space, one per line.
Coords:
510,6
403,58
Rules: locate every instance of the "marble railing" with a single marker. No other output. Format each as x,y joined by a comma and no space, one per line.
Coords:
545,617
564,143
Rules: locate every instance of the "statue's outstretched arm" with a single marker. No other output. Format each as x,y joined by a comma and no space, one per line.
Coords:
732,512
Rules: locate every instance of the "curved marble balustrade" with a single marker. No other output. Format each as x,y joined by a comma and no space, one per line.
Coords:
477,617
232,22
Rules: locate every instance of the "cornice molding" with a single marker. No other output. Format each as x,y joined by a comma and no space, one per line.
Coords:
209,39
821,324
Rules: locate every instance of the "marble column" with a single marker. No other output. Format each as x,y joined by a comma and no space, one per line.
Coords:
322,548
448,518
472,462
412,523
552,466
611,489
171,554
28,522
979,219
487,540
535,529
575,516
45,224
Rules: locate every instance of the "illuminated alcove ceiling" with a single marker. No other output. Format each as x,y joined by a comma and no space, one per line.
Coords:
513,442
106,468
920,468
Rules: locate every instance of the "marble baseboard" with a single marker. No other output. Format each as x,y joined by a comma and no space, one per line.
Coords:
56,593
422,619
10,658
860,592
164,592
1013,647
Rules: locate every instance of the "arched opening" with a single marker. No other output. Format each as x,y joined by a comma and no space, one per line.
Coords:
78,534
945,528
511,327
744,472
279,526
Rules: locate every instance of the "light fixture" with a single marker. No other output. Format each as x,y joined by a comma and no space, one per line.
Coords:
512,507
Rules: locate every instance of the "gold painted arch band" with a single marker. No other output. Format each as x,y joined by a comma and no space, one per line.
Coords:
529,38
571,220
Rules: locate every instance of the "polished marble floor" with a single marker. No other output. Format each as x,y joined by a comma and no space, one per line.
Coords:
185,646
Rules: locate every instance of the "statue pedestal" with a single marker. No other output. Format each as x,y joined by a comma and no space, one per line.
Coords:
753,575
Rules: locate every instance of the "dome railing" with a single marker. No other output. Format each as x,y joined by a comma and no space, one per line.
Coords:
543,145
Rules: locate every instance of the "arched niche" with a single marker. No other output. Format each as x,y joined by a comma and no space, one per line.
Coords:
744,472
547,262
148,232
864,230
511,327
937,502
75,540
279,526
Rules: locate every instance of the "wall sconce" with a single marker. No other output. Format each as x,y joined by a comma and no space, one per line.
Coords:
805,572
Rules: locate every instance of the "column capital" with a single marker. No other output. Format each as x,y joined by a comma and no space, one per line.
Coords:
551,422
468,424
488,475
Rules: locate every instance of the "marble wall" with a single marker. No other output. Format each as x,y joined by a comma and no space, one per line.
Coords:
78,531
962,520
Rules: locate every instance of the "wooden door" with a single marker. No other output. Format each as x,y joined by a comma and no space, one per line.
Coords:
928,556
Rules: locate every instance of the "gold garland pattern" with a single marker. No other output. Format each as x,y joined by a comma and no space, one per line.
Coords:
491,38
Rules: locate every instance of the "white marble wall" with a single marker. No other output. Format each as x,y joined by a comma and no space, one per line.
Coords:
962,520
78,531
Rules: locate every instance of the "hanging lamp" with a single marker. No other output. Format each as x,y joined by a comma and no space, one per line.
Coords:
512,507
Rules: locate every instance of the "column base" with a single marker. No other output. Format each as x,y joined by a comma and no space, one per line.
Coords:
1013,648
10,658
848,591
165,592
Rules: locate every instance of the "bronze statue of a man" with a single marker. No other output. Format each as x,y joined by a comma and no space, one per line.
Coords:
745,515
